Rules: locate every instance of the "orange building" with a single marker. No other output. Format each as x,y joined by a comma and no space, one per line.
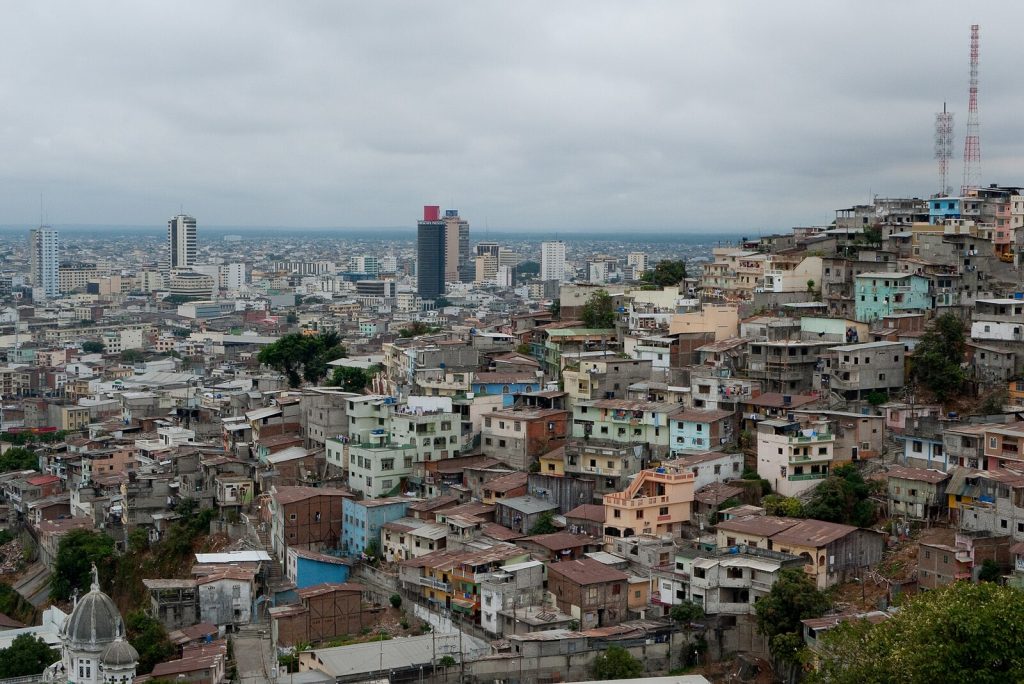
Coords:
657,502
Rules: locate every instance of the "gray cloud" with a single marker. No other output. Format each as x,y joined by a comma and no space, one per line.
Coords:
573,115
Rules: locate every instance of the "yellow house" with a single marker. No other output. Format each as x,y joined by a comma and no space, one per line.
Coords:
657,502
721,321
1015,390
553,462
832,553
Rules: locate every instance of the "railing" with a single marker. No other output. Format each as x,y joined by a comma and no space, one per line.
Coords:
641,502
435,584
807,476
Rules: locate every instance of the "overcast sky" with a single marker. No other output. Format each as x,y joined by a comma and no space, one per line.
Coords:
670,115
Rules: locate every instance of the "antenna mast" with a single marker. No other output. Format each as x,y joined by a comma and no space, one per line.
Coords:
944,147
972,140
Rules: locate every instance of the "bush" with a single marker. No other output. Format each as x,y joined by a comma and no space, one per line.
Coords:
396,601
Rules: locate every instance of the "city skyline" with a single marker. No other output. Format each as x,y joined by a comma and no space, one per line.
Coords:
683,118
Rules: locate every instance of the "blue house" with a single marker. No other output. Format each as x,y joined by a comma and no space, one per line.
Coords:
362,521
694,430
307,568
940,208
505,384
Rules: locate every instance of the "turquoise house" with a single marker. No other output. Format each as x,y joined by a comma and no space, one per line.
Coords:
884,294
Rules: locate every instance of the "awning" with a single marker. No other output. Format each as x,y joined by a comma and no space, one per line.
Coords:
463,606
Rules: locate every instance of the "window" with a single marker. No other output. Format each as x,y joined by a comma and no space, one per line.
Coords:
917,447
291,517
718,470
616,589
663,510
616,513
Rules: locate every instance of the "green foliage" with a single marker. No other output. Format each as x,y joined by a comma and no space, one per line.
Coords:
28,438
372,550
665,273
395,601
788,506
93,347
616,663
353,379
417,328
15,605
442,302
843,497
766,486
555,309
961,633
301,356
149,638
686,612
545,524
18,458
599,312
793,598
990,571
877,398
78,550
5,536
446,661
994,402
872,235
132,356
937,358
810,285
27,655
138,540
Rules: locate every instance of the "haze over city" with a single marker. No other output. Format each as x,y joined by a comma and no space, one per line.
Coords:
590,116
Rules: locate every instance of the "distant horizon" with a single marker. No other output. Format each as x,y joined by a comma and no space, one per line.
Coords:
475,232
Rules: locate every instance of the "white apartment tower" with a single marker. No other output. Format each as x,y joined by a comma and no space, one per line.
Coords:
638,260
181,242
552,260
43,255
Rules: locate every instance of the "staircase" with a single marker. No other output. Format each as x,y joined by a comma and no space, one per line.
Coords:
273,572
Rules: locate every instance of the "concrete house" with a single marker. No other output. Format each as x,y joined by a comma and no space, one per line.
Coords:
657,502
226,597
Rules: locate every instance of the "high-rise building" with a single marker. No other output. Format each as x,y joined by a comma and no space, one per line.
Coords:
486,268
457,268
430,254
487,249
181,242
43,250
364,264
552,260
638,260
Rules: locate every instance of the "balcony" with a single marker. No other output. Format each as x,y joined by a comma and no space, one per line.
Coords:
618,501
435,584
807,476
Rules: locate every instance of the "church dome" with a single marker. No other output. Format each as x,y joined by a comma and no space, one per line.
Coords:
95,620
119,654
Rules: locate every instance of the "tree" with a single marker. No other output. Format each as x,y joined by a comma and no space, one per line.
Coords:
686,612
352,379
994,402
27,655
616,663
77,552
417,328
395,601
873,235
990,571
446,662
787,506
728,503
301,356
555,309
963,632
843,497
132,356
936,362
665,273
93,347
545,524
149,638
599,312
18,458
877,398
793,598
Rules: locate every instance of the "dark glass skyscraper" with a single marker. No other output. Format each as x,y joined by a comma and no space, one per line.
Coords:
430,254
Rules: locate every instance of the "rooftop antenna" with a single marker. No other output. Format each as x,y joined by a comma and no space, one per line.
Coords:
944,147
972,140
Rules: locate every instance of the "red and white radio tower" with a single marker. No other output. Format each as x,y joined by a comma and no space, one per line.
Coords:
944,147
972,140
